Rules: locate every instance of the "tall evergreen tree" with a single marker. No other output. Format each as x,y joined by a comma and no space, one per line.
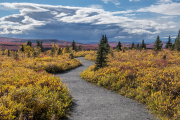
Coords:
158,44
101,54
143,45
132,46
29,43
137,47
177,42
42,48
168,44
22,48
119,46
107,46
8,53
74,46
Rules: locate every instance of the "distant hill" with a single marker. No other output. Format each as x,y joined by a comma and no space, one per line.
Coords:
45,41
14,43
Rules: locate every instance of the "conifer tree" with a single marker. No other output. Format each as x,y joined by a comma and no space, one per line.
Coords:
158,44
177,42
39,44
16,55
67,48
22,48
59,51
42,48
143,45
80,48
74,46
29,43
119,46
8,53
168,44
34,54
137,47
52,51
101,55
107,46
132,46
172,47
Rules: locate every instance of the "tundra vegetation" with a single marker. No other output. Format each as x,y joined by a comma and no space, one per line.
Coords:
148,76
28,89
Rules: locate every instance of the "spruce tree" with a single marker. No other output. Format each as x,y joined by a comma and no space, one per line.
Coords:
107,46
168,44
80,48
16,55
143,45
119,46
22,48
59,51
42,48
132,46
158,44
74,46
39,44
8,53
29,43
67,48
177,42
137,47
172,47
101,55
52,51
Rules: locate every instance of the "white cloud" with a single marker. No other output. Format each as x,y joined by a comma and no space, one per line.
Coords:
77,21
117,37
116,2
165,1
96,6
122,12
166,9
167,17
171,37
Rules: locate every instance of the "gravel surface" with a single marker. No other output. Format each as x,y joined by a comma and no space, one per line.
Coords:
95,103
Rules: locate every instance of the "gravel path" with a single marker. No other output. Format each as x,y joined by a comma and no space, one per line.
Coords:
95,103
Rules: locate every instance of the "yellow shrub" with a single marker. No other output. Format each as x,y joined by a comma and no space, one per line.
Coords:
143,75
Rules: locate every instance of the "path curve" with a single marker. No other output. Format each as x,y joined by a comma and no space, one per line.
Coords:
95,103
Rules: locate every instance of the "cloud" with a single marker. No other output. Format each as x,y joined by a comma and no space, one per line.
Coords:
166,9
165,1
96,6
82,23
116,2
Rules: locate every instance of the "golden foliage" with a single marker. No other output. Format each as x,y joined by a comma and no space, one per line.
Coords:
27,91
142,75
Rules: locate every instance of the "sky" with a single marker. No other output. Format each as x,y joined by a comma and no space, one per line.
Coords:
86,21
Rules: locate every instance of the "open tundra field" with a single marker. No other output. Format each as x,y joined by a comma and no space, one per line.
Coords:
28,90
150,77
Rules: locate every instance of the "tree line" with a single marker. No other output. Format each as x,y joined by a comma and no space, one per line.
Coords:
104,48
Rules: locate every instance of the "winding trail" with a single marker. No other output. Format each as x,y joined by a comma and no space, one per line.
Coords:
95,103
